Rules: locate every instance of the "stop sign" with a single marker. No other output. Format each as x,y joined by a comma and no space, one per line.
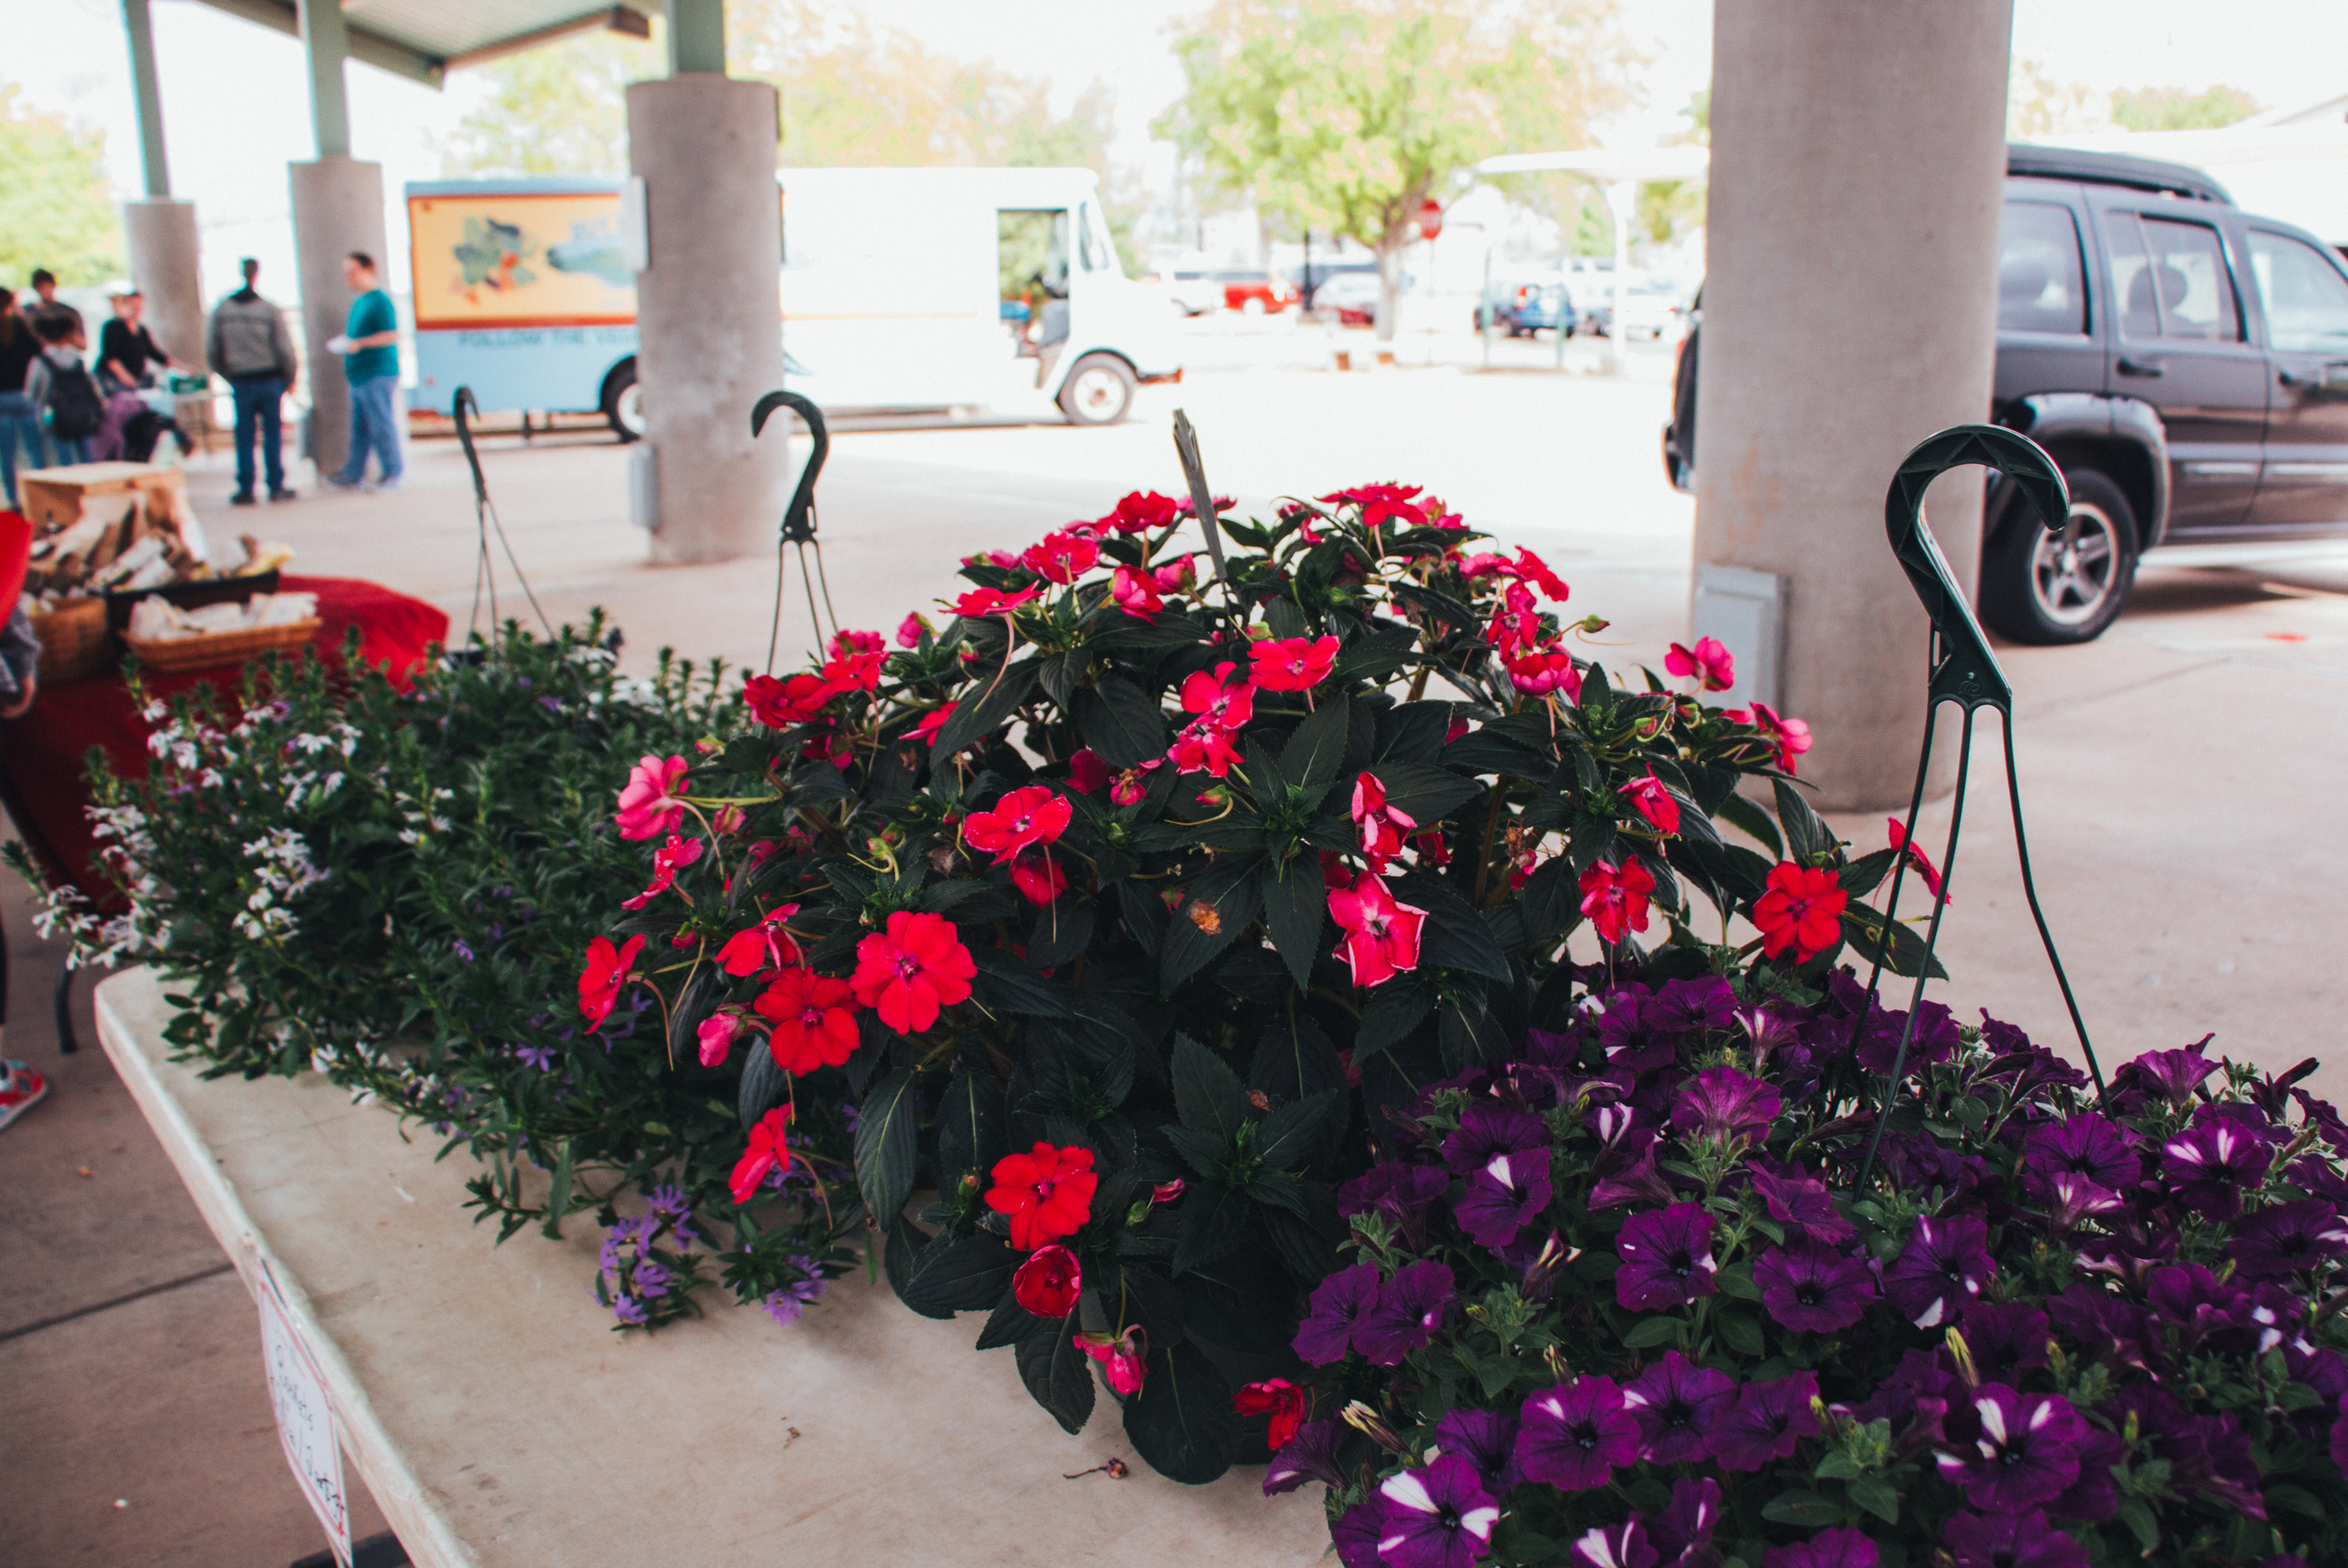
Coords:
1430,218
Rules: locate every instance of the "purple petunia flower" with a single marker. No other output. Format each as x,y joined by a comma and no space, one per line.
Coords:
1767,1422
1625,1032
2027,1454
1936,1039
2095,1495
2171,1075
1311,1455
1666,1258
1485,1438
1622,1546
1632,1180
1356,1531
1684,1526
1674,1403
1392,1189
2286,1237
2011,1541
2071,1197
1829,1548
1408,1310
2095,1147
2210,1164
1335,1308
1489,1129
1685,1007
1812,1287
1438,1517
1576,1435
1798,1198
2005,1339
1719,1105
1945,1265
1509,1194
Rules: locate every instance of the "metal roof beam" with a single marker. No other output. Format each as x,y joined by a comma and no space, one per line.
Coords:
369,48
609,19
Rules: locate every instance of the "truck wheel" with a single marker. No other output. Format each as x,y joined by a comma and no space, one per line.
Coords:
624,404
2044,587
1099,391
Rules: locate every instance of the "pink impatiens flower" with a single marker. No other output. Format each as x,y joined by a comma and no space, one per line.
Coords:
1293,663
1537,572
844,643
1380,938
1136,594
1130,785
1216,699
649,803
1537,674
1708,660
1140,512
1062,557
1032,816
1652,801
667,861
983,602
1086,772
911,630
1177,576
1916,856
1791,736
1124,1358
716,1037
1383,827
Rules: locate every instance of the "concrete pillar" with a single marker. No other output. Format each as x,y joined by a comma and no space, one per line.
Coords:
708,316
1849,310
147,91
165,265
338,208
324,45
697,36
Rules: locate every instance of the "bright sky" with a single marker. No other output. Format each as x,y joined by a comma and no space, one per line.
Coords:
236,106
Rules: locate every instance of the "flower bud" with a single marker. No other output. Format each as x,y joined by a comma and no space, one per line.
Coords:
1963,1355
1362,1419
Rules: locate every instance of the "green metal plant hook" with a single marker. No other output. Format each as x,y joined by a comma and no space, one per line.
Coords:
1965,673
798,517
465,408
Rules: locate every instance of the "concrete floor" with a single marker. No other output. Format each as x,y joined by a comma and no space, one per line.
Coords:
2179,775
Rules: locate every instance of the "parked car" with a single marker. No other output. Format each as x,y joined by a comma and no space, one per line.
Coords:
1526,310
1352,296
1254,291
1194,289
2183,362
1309,282
1651,306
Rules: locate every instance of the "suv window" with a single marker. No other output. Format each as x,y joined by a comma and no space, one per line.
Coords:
2040,286
2172,281
2305,296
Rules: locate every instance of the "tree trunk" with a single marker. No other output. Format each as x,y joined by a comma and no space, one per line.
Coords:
1389,287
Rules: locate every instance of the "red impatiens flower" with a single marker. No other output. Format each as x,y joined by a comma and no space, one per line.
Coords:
844,643
667,861
765,945
1130,785
931,723
1651,800
1292,663
1035,815
600,984
1048,1283
649,806
855,671
768,1152
1708,659
1791,736
1516,626
1615,896
1137,593
1382,503
1177,576
1046,1193
983,602
908,972
1201,748
815,1019
1124,1358
780,703
1916,856
1218,699
1537,570
1801,913
1380,934
1062,557
1038,877
1537,674
1383,827
1140,512
911,629
1278,1398
1085,771
714,1036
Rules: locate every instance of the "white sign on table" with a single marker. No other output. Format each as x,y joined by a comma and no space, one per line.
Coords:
305,1415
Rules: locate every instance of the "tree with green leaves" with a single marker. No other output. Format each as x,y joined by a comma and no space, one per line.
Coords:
57,209
2175,108
1348,116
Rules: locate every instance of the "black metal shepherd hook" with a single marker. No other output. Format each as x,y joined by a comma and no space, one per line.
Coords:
486,516
1964,672
798,518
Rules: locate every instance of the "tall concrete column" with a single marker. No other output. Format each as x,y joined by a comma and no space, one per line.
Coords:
338,208
165,263
1849,310
708,316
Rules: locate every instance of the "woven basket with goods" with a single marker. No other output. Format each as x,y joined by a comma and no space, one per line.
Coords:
74,642
172,655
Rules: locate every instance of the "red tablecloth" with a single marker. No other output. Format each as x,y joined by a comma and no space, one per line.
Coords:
43,751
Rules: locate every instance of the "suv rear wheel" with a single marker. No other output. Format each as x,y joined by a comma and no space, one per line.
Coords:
2067,586
624,404
1099,391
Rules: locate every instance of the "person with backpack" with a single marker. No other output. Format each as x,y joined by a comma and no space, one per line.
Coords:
249,346
61,389
20,423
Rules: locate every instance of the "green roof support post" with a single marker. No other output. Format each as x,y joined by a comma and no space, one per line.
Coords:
338,208
159,233
324,45
697,38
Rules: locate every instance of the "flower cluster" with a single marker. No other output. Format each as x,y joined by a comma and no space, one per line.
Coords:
1656,1304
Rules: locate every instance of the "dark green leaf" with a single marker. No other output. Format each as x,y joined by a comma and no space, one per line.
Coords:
1286,1138
978,713
1651,1331
1740,1333
1011,1324
971,1130
885,1141
1121,721
1453,937
1425,794
1057,1374
1005,983
1208,1096
1294,900
969,1275
1863,928
1806,1508
1213,1218
901,1252
1805,834
1879,1498
1219,906
1313,753
1412,732
764,1085
1865,874
1062,930
1181,1423
1395,1010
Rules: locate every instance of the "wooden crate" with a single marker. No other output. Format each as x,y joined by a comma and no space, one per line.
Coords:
60,498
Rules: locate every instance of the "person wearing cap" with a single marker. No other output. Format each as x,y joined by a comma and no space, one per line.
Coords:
249,346
127,351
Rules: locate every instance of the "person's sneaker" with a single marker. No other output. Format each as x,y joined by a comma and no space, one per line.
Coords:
242,497
21,1089
387,486
337,481
281,493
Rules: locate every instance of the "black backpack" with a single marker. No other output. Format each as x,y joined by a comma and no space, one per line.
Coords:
75,409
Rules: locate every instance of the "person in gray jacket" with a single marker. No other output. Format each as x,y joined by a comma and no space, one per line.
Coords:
249,347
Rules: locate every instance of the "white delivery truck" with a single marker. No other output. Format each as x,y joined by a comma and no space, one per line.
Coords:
966,291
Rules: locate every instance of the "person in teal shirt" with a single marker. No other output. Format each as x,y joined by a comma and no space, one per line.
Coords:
370,349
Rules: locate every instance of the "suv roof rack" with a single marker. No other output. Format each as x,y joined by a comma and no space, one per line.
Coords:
2114,168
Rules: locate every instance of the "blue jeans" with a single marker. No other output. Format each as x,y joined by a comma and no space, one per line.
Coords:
374,403
64,454
257,413
20,423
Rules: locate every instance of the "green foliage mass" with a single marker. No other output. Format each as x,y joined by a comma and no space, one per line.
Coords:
56,208
2175,108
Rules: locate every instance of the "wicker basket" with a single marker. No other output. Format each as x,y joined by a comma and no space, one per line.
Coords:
76,643
203,652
